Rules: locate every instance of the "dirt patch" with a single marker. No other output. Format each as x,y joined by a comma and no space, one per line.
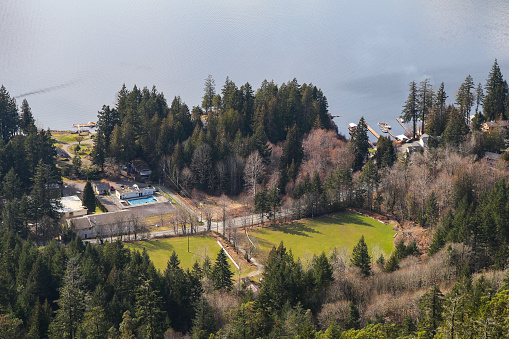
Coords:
235,206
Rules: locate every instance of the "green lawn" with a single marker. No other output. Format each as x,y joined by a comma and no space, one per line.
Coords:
199,246
160,250
67,138
342,230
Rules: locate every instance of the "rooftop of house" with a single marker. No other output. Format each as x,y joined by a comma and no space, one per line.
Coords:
102,185
70,204
135,188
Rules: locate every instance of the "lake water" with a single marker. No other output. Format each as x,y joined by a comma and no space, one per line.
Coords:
68,58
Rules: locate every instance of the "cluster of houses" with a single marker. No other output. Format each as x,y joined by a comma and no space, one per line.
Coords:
73,210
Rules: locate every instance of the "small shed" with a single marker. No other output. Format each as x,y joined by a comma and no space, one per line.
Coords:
101,187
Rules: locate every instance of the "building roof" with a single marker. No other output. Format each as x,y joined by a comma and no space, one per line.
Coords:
101,186
135,188
70,204
104,219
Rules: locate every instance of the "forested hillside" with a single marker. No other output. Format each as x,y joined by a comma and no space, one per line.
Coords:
278,146
188,151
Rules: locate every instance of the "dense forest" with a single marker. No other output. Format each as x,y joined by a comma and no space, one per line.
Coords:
187,151
279,146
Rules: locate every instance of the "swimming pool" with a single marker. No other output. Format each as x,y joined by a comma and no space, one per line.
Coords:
140,201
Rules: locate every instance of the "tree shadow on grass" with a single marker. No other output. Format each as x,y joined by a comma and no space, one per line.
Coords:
346,218
159,245
295,228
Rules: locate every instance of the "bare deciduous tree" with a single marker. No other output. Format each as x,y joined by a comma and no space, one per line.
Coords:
252,171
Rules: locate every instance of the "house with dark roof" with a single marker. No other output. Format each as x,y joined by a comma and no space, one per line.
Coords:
101,187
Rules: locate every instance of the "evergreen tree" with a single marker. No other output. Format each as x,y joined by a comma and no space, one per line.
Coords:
385,153
371,178
479,97
9,118
204,323
431,306
360,257
221,273
261,143
322,271
127,327
274,202
392,264
360,144
282,280
27,122
261,204
465,98
354,317
410,110
71,303
150,318
431,210
438,119
11,185
495,94
89,198
456,128
210,93
293,153
40,319
425,99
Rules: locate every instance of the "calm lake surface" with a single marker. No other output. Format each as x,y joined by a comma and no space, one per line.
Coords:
68,58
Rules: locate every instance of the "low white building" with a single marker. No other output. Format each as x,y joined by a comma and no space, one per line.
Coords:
134,192
72,206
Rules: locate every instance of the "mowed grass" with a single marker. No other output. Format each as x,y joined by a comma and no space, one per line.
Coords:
67,138
160,250
342,230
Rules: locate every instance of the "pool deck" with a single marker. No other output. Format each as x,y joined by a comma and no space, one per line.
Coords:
123,204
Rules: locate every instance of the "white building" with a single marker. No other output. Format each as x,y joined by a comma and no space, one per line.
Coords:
134,192
72,206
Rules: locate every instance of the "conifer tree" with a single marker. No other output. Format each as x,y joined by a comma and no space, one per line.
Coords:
431,306
410,110
221,273
360,257
465,98
89,198
210,93
11,185
354,317
127,326
27,121
425,99
360,144
150,318
322,270
8,115
71,303
495,94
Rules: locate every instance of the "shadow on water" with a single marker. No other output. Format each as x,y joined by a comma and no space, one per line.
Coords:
346,218
296,228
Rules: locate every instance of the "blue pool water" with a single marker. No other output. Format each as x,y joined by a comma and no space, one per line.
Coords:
139,201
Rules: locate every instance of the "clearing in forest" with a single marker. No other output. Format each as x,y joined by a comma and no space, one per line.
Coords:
160,250
200,245
342,230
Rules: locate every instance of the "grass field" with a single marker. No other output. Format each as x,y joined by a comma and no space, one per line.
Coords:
160,250
342,230
67,138
199,245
